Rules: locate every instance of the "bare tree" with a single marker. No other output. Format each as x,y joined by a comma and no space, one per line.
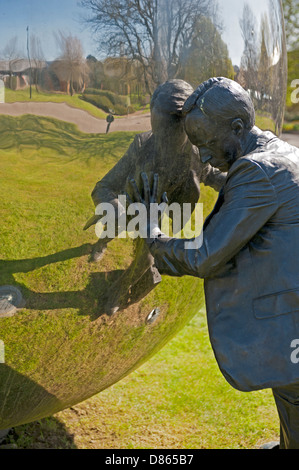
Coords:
263,64
12,54
250,58
71,65
151,32
37,57
291,15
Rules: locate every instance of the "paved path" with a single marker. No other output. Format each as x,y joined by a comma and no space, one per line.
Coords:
292,139
85,122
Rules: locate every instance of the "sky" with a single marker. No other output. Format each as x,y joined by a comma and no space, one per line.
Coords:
44,17
231,16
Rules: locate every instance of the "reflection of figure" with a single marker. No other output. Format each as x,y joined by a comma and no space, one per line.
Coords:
250,251
109,120
167,151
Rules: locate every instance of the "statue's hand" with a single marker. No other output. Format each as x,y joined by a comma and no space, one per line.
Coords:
150,195
147,196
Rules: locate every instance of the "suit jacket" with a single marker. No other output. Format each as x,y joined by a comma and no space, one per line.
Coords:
249,260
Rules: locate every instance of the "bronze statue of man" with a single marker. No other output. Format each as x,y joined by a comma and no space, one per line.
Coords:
250,248
166,150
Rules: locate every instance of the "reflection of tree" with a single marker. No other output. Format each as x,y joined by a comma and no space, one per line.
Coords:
37,57
263,67
12,54
264,70
207,56
291,14
70,67
151,32
249,61
279,63
95,72
118,74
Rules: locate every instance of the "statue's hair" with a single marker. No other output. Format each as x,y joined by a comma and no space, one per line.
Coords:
224,99
169,97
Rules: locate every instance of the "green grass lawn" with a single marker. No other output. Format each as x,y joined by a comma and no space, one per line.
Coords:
178,399
74,101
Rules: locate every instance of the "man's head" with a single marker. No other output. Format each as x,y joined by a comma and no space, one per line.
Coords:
167,103
219,116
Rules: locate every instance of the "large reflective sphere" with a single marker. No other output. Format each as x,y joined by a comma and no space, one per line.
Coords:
64,340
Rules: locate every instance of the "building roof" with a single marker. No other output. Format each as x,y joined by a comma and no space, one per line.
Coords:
19,65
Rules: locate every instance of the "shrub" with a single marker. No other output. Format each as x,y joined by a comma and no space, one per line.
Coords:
291,127
99,101
102,101
121,110
113,97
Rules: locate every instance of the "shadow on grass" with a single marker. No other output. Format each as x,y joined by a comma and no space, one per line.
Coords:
95,300
48,433
9,267
89,301
44,433
106,292
61,137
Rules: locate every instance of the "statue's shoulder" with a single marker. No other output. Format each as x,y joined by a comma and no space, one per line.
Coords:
142,146
142,139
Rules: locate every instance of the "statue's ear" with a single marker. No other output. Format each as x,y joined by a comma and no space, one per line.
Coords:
237,126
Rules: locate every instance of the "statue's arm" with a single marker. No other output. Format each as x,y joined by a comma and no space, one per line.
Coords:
213,177
114,182
249,202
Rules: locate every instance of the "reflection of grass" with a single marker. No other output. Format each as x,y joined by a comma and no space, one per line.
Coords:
48,169
12,96
73,101
291,126
45,138
264,122
178,399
